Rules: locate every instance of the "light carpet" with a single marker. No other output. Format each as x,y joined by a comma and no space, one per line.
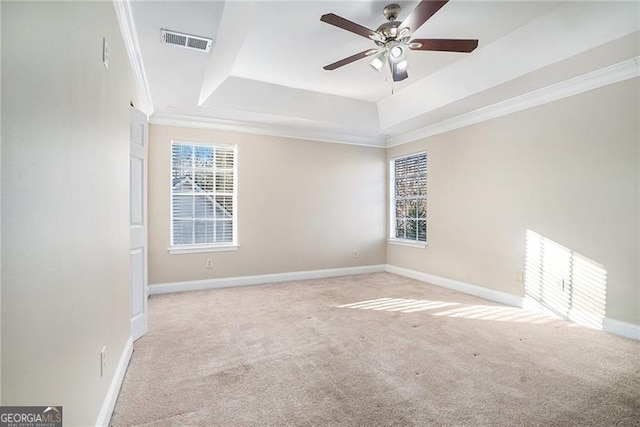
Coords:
372,349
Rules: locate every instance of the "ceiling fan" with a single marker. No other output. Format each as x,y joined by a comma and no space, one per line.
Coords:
393,38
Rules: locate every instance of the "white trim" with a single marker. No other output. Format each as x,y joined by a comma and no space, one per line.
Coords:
617,327
605,76
198,285
210,246
139,233
531,304
176,250
199,122
130,37
467,288
409,243
104,417
405,156
392,239
624,329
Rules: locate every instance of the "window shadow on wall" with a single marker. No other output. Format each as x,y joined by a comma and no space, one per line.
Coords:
564,281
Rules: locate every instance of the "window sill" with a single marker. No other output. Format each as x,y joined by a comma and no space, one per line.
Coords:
175,250
409,243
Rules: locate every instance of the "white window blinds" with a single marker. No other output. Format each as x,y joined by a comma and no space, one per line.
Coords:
409,198
203,194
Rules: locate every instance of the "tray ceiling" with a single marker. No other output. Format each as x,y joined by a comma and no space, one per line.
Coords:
265,66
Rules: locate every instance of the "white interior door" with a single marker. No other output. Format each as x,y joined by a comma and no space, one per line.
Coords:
138,224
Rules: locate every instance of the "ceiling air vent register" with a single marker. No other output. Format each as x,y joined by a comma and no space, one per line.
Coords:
186,40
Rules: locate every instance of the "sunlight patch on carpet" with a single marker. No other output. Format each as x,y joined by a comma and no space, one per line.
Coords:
496,313
398,304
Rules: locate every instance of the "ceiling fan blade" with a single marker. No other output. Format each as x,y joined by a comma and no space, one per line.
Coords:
422,12
350,59
444,45
345,24
398,75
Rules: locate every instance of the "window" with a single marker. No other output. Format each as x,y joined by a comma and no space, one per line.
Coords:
409,199
203,196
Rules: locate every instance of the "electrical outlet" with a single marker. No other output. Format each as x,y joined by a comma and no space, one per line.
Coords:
355,253
103,361
105,52
519,276
209,263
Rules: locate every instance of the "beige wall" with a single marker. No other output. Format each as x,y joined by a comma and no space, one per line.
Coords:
65,185
302,205
567,170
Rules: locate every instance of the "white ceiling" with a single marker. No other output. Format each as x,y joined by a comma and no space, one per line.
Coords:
265,68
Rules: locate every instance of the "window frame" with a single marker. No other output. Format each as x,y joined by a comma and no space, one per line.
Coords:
204,247
392,203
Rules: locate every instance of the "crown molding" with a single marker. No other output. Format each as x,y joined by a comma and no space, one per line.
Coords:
130,37
200,122
605,76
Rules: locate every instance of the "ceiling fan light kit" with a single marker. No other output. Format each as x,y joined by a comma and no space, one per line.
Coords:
379,60
396,53
393,38
402,65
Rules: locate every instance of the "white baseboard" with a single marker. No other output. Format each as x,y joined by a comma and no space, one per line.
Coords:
467,288
617,327
624,329
104,417
198,285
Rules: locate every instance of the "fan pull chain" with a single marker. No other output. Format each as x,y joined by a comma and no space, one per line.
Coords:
392,83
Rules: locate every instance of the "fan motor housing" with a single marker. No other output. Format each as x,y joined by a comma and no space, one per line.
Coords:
391,11
389,30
